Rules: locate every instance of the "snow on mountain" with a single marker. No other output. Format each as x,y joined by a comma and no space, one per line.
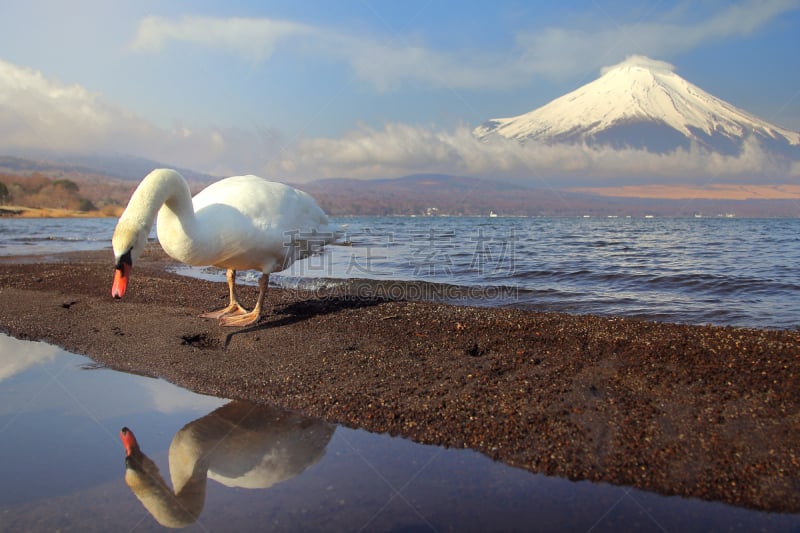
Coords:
642,103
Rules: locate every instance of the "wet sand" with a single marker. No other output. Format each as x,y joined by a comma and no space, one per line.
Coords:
701,411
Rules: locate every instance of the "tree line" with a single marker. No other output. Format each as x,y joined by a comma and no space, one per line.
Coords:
39,190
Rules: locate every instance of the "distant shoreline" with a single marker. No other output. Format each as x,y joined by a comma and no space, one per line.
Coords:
19,211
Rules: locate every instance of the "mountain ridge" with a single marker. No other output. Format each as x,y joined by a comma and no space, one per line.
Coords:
122,167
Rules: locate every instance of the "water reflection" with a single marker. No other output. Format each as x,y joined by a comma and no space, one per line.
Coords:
342,480
239,445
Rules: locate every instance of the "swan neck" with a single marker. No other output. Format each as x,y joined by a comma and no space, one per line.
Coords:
171,509
162,187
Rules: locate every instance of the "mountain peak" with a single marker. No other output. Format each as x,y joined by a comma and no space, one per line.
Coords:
640,103
640,62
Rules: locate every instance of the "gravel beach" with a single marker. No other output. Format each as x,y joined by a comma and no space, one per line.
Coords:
701,411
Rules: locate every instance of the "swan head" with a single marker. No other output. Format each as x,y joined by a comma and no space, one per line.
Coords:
135,468
128,243
130,443
145,481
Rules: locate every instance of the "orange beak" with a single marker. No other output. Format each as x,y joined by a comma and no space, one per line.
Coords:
128,440
121,277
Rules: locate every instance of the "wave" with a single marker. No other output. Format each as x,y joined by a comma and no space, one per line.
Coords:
682,308
712,284
54,238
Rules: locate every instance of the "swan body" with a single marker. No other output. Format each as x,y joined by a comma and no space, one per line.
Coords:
238,445
238,223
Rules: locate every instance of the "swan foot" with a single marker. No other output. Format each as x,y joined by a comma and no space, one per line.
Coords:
239,320
232,310
235,315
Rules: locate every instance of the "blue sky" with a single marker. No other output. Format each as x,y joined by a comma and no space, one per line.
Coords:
317,88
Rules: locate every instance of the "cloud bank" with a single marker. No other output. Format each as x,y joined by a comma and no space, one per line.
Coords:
552,52
37,113
400,149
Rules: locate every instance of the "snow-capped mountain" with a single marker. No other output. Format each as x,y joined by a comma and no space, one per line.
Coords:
643,103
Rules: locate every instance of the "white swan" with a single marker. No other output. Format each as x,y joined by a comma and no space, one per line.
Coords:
239,445
238,223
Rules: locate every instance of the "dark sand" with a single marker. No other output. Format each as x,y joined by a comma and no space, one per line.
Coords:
701,411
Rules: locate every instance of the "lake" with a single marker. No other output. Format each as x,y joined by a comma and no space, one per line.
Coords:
725,271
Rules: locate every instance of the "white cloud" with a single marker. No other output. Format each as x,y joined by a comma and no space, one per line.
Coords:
552,52
37,111
43,114
17,356
400,149
640,61
254,39
167,398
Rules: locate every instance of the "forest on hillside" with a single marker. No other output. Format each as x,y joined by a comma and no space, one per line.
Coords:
71,192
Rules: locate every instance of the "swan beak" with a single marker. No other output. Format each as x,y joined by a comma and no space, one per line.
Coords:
129,441
121,277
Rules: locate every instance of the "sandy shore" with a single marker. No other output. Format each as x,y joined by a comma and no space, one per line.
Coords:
708,412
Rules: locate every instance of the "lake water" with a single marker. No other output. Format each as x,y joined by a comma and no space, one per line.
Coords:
726,271
62,467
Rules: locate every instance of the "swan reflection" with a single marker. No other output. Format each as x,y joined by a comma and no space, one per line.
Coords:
239,445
